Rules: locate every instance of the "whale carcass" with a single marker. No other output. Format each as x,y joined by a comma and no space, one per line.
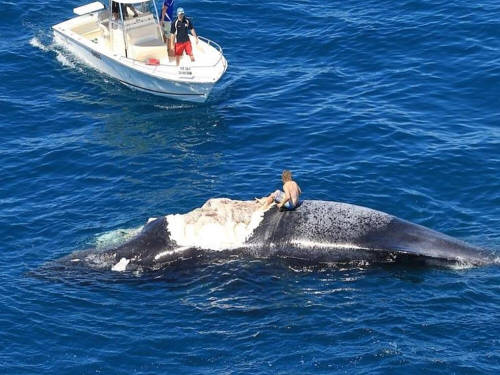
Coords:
317,232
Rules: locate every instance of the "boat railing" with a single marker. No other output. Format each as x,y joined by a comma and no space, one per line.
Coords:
212,43
216,46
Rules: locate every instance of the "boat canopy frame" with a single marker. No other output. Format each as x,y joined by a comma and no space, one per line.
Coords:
110,13
130,1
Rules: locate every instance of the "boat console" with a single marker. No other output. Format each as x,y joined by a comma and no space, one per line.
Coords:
145,39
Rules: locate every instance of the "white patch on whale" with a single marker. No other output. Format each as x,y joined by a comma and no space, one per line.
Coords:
326,245
219,224
121,265
168,252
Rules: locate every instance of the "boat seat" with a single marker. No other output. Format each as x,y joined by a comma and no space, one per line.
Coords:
143,35
142,53
146,42
149,43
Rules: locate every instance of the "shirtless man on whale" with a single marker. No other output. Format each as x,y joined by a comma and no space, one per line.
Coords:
288,198
320,231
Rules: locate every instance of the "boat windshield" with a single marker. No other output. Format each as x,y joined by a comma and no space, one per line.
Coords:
132,8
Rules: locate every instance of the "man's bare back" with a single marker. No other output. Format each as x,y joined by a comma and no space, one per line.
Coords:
292,192
289,197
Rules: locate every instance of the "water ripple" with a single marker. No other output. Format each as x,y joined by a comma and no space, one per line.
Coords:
389,105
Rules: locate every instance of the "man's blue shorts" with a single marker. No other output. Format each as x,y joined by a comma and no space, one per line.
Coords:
279,196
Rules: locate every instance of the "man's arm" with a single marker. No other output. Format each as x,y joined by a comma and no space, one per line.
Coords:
287,196
194,34
172,36
163,11
193,31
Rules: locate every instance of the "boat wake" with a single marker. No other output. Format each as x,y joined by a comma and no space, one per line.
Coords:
35,42
64,60
175,106
62,56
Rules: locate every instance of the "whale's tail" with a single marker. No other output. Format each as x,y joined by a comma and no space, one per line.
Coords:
408,238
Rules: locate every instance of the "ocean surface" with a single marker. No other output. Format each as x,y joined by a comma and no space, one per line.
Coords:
393,105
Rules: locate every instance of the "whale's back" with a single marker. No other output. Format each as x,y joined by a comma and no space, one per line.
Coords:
334,231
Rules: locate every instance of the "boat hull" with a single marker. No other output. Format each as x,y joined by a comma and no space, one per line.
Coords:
187,91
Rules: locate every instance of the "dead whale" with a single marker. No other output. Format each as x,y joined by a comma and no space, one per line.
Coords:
317,232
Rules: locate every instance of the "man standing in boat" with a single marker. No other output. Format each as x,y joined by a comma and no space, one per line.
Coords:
179,34
167,12
115,9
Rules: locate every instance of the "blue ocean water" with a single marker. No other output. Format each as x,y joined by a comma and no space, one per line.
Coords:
389,105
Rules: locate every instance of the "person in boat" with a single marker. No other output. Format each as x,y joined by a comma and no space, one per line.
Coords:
179,34
288,198
115,10
167,12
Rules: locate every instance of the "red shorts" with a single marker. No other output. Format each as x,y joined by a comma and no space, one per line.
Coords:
181,47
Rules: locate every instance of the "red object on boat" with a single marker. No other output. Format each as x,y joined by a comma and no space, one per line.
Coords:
152,61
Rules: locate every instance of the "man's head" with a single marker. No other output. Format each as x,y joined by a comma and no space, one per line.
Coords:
286,176
180,13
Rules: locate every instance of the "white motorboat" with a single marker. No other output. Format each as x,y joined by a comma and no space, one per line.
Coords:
129,46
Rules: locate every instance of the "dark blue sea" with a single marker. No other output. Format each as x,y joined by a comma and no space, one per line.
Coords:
393,105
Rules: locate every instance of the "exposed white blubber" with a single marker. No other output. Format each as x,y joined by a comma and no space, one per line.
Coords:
219,224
